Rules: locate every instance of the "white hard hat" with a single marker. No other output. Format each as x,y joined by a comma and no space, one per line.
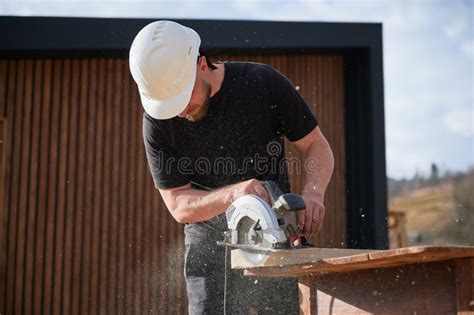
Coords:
163,61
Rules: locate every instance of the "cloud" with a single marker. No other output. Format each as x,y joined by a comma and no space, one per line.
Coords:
457,29
460,122
467,48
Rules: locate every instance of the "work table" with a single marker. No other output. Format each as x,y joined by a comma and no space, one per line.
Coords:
421,279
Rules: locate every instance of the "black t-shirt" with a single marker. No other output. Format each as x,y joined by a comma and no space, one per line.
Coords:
240,138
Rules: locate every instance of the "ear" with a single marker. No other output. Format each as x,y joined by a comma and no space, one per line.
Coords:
202,64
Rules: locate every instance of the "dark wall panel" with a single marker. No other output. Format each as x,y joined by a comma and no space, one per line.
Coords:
83,229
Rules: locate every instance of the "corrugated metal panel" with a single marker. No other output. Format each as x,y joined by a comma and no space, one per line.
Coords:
3,218
86,232
320,79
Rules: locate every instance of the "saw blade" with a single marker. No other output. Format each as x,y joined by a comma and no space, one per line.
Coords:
249,233
255,257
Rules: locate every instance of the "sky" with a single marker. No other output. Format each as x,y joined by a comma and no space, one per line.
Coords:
428,61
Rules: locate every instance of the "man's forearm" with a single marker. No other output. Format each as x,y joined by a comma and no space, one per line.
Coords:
193,205
189,205
319,166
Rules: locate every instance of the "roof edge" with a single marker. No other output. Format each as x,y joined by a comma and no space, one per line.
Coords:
75,33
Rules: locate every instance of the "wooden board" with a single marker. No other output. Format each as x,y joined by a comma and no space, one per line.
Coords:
315,261
283,258
422,288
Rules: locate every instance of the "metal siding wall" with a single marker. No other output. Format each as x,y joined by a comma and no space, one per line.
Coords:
86,232
321,82
3,219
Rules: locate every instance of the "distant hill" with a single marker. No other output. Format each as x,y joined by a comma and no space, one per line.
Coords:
438,210
428,211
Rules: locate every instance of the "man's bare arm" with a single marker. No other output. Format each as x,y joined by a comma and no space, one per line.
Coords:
319,166
189,205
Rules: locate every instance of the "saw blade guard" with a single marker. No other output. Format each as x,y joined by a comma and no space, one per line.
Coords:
258,210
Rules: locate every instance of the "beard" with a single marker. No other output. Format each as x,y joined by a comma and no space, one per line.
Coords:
203,106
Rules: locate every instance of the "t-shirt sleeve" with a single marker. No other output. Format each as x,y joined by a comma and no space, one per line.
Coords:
294,117
162,158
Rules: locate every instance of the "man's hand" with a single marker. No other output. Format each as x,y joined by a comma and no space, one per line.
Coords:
315,148
311,219
251,186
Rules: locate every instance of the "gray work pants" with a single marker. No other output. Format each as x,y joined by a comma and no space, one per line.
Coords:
205,276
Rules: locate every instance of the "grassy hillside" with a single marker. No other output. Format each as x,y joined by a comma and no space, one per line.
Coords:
432,216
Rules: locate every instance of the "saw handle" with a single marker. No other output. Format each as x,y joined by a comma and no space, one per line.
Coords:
274,192
290,201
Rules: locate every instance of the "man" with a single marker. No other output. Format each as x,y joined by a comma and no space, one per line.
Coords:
212,132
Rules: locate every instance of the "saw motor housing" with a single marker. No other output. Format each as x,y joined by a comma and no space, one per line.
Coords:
254,224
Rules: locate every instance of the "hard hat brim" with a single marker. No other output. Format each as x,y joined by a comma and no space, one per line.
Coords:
173,106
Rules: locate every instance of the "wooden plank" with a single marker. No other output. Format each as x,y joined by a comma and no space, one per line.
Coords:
21,232
114,232
318,79
47,289
464,282
3,155
132,193
423,288
42,179
123,192
109,193
89,190
71,192
282,258
314,261
139,233
307,296
3,212
34,101
14,114
163,254
77,258
336,205
104,276
3,93
94,305
156,253
147,242
56,233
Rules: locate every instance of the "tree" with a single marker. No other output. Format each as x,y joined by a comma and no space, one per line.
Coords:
464,198
434,177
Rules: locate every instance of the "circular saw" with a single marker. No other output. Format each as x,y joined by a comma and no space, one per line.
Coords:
257,227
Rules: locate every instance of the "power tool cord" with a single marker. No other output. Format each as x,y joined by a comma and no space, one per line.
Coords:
225,280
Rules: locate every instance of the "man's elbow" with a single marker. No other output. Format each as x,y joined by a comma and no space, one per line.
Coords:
179,215
323,147
330,153
184,215
171,198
